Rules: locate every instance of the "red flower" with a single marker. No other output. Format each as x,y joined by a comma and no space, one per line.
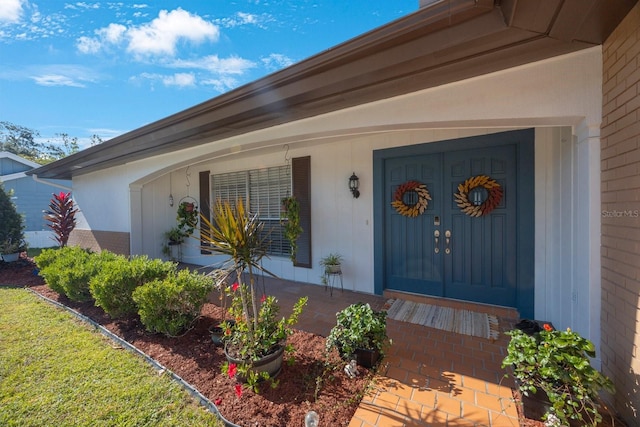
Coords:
233,368
263,299
218,401
547,327
235,286
227,332
238,390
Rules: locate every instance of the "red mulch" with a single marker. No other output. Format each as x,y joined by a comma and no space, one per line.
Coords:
197,360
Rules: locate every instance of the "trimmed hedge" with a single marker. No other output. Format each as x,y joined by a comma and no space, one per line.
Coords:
114,284
171,305
68,270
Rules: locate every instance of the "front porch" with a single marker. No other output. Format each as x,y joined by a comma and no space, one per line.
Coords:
429,377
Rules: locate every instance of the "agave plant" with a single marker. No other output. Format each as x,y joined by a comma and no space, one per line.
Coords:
61,216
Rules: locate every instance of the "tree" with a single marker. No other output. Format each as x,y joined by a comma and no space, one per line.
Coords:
22,141
11,225
19,140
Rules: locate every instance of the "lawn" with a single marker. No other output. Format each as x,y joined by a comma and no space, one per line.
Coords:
56,371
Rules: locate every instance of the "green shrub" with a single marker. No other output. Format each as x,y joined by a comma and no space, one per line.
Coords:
69,273
114,284
171,305
51,275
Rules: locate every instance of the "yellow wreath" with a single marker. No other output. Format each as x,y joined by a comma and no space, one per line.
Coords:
493,200
411,210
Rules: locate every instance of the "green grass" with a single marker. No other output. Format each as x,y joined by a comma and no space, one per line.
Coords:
54,370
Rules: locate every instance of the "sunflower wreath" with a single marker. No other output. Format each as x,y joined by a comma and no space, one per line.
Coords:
493,200
411,210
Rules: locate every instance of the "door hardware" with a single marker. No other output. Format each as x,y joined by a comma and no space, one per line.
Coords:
447,242
436,235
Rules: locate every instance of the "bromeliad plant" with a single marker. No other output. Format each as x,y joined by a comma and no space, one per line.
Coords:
557,363
258,330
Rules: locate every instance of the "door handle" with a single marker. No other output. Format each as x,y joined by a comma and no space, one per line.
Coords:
436,235
447,242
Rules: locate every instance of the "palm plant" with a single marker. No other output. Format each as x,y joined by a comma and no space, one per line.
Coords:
240,235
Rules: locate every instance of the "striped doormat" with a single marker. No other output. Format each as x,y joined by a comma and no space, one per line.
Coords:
445,318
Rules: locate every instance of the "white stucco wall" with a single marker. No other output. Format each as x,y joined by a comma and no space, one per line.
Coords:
563,91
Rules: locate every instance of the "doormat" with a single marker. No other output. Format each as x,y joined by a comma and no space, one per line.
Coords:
448,319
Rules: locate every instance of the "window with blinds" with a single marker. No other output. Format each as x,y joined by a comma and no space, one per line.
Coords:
261,191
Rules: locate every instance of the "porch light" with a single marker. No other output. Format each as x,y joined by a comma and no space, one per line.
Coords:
354,183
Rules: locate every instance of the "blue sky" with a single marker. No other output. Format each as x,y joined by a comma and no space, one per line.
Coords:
105,68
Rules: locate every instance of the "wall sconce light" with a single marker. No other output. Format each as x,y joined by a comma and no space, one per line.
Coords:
170,199
354,183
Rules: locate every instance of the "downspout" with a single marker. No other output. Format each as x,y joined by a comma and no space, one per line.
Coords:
42,181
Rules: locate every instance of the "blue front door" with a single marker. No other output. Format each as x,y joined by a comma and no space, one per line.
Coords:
443,251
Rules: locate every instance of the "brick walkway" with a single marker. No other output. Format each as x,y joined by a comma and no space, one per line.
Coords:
429,377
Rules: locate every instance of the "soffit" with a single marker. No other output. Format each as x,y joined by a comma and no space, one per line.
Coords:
446,42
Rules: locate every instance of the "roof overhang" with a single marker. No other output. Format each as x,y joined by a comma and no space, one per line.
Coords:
448,41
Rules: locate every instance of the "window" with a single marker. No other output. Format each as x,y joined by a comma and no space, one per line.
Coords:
261,191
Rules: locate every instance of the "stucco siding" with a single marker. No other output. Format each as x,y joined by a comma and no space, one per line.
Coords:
620,163
562,92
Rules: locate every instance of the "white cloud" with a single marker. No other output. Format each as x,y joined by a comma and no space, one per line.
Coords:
158,37
88,45
56,80
113,33
177,79
231,65
243,18
276,61
161,35
180,80
62,75
11,10
222,84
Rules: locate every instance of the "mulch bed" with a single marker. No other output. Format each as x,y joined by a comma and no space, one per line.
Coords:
314,382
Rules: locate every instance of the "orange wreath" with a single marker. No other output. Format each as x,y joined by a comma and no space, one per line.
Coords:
411,210
493,200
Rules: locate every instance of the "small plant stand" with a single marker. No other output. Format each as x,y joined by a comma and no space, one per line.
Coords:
331,280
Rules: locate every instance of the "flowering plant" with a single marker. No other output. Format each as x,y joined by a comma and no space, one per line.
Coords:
257,331
557,362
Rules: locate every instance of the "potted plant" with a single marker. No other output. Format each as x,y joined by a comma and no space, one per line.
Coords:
360,333
331,264
10,250
290,216
556,364
255,345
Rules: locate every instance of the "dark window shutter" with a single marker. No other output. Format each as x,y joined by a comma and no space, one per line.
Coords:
205,209
301,174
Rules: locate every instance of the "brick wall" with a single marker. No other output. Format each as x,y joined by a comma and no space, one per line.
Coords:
620,164
117,242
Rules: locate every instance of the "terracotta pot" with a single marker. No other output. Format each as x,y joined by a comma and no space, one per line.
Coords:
188,207
271,363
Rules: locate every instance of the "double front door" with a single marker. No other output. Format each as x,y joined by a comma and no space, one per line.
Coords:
443,251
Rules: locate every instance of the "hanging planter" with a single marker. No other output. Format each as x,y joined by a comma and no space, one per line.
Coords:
187,217
290,216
